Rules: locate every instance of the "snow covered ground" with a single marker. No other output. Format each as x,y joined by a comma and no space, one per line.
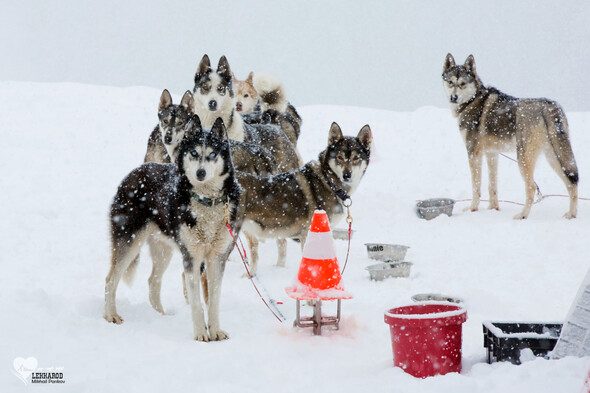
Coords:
65,148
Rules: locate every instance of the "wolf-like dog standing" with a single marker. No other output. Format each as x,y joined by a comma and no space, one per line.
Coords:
491,122
282,206
185,204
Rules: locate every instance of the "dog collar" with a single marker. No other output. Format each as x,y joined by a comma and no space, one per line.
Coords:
209,202
340,193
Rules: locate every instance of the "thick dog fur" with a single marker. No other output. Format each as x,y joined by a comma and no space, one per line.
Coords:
184,205
282,206
164,142
272,107
166,136
492,122
246,94
214,97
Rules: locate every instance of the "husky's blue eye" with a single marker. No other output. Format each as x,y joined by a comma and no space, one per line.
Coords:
211,156
194,154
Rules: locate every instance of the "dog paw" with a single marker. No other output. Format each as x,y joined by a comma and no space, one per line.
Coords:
218,335
569,215
520,216
246,275
470,209
202,336
114,318
494,207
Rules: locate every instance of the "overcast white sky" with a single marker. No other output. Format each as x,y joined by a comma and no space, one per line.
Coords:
383,54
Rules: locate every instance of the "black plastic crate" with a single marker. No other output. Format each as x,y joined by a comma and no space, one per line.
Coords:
505,340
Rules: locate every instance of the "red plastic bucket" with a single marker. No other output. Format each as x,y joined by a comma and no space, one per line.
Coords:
426,338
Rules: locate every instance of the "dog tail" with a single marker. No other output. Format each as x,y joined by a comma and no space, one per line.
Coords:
558,133
271,92
129,274
290,123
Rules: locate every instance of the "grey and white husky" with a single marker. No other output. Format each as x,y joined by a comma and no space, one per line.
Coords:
213,97
282,206
491,122
184,205
164,141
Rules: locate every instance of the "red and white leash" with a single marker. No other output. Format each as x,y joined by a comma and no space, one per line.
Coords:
270,304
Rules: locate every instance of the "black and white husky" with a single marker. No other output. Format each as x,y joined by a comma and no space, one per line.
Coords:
183,204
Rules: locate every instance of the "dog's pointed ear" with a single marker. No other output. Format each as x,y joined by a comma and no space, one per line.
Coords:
218,128
250,79
365,136
197,120
165,100
193,126
187,101
449,62
335,134
470,64
223,69
203,68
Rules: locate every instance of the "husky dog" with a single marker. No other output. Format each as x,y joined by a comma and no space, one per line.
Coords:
282,206
271,106
164,140
246,94
491,122
214,97
186,204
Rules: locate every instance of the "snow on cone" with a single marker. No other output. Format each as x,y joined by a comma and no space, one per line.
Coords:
319,274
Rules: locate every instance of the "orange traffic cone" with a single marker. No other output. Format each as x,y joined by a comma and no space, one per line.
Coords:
319,274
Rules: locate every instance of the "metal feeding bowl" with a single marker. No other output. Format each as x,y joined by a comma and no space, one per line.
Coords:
381,271
426,297
386,252
341,234
432,208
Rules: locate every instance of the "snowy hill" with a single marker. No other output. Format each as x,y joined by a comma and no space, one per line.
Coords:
66,147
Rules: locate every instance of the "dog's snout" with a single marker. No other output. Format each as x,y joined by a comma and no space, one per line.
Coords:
347,175
201,173
168,138
239,106
212,105
453,98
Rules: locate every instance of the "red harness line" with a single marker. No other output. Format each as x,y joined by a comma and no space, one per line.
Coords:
244,260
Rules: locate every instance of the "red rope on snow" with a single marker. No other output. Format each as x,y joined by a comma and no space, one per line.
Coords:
244,260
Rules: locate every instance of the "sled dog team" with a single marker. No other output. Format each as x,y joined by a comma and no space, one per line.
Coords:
225,158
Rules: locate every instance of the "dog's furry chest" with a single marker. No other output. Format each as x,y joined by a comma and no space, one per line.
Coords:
210,220
209,233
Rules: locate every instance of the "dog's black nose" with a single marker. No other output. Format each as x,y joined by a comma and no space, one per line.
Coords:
347,175
168,139
454,98
201,174
212,105
239,106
